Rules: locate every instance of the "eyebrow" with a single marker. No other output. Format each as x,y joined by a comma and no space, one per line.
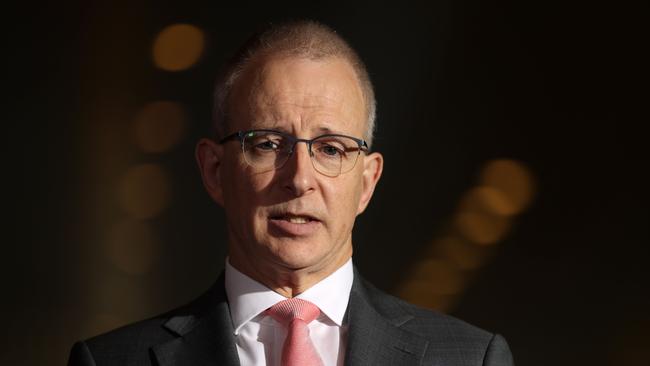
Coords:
327,130
322,130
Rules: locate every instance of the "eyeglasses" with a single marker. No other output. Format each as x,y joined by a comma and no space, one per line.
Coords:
266,150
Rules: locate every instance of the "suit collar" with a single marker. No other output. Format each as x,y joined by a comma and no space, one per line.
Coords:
204,333
205,337
248,298
375,336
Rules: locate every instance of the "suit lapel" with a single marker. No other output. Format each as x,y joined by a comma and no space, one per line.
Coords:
375,337
205,333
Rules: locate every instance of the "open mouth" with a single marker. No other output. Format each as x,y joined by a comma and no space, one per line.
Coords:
294,219
293,224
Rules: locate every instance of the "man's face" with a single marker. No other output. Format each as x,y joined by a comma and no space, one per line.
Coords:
294,218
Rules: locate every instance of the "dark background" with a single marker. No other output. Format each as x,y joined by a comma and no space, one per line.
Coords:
559,86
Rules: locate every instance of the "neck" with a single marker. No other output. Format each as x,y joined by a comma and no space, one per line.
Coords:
285,280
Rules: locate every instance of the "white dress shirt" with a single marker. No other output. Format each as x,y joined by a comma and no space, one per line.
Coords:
260,338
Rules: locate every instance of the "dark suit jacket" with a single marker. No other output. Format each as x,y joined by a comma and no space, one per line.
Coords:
383,330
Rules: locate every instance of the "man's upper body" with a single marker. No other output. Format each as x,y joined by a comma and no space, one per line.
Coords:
292,168
382,331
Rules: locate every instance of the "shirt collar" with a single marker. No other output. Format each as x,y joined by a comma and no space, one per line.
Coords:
248,298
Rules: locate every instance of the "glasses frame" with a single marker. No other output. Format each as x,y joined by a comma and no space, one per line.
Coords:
241,135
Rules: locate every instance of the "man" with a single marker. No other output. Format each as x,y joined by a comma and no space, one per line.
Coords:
292,168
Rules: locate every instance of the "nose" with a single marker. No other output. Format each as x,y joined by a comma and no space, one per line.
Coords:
298,174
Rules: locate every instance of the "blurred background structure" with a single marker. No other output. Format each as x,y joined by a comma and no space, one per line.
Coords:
514,195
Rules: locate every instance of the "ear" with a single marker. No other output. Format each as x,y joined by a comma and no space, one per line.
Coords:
373,165
209,158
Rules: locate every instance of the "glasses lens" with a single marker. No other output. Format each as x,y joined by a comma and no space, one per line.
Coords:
334,155
265,150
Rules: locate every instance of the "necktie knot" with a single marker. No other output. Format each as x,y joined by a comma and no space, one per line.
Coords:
288,310
295,314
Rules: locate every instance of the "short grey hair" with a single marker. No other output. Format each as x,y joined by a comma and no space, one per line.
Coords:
303,39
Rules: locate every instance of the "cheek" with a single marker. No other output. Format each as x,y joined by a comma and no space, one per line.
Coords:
236,191
246,194
344,200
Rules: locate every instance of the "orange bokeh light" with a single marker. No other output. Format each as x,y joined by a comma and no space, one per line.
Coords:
512,185
178,47
144,191
481,228
159,126
132,247
458,251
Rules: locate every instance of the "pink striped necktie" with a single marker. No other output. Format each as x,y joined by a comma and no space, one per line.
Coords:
296,314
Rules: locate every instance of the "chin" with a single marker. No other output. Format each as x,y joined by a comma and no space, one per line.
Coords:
298,258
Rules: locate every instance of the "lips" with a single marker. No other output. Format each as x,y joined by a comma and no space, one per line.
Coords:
293,224
294,218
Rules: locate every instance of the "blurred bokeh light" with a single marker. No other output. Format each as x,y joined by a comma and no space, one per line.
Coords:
133,247
459,252
178,47
144,191
444,277
484,217
481,227
420,292
159,126
514,183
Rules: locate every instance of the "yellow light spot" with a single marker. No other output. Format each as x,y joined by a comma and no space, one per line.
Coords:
476,220
460,252
178,47
159,126
482,228
433,283
133,247
419,293
493,200
512,185
488,200
144,191
443,277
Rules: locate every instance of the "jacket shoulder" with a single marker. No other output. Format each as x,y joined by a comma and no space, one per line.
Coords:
449,339
420,320
132,344
127,345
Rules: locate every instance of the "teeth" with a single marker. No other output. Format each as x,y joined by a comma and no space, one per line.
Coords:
298,220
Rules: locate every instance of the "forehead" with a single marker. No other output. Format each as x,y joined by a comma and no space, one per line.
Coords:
300,95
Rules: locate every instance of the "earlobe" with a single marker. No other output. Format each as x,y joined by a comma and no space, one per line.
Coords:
372,169
209,158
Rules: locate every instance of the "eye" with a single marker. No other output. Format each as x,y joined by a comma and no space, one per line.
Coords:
267,145
330,150
264,142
